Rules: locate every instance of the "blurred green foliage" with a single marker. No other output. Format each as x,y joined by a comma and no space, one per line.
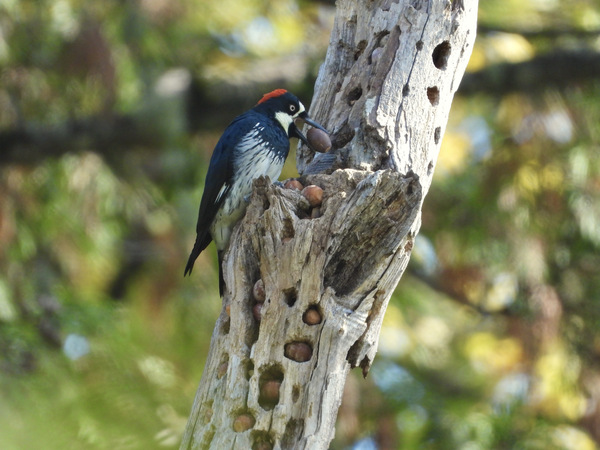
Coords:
492,339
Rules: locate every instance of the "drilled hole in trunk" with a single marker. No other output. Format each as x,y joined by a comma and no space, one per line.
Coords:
243,421
433,94
313,315
288,230
290,296
295,393
437,134
440,55
354,95
298,351
261,440
225,326
248,369
269,385
223,365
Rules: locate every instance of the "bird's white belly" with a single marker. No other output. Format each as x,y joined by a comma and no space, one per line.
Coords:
234,207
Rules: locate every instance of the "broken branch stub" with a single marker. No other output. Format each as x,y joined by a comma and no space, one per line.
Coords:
278,367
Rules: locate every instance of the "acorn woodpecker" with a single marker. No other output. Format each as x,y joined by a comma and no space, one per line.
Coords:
254,144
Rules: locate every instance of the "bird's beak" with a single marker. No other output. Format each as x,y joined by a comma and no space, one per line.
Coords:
295,131
312,123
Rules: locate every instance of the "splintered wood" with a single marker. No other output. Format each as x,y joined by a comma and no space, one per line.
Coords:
317,282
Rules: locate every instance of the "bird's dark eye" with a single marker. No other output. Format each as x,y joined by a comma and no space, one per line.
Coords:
292,108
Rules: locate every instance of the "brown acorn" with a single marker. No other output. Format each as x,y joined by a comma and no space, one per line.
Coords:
222,369
293,184
314,195
258,291
243,422
319,140
270,391
257,311
311,317
298,351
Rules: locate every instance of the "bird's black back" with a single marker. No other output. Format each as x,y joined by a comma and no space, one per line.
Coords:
226,156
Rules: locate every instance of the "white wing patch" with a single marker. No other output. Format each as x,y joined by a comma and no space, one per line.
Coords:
221,192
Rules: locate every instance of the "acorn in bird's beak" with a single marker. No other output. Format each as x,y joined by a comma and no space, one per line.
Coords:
295,131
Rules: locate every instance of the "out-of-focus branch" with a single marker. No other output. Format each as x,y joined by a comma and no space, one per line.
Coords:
545,33
163,116
110,135
107,135
555,69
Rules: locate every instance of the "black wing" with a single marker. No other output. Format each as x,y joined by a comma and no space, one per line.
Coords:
219,180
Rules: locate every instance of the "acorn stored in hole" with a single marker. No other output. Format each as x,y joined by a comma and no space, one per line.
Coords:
311,317
257,311
293,184
298,351
243,422
258,291
314,195
270,391
222,369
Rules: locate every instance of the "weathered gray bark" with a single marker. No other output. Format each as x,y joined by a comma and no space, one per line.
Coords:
384,91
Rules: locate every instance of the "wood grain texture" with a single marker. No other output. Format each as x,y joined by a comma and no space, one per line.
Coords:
388,81
273,378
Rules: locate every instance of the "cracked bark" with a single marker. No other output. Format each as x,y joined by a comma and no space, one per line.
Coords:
384,91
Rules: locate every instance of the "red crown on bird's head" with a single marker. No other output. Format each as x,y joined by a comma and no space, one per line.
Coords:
272,94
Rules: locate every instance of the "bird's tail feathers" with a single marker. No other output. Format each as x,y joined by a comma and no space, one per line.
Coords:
202,241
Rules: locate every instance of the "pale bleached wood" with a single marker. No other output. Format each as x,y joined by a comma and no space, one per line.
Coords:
385,93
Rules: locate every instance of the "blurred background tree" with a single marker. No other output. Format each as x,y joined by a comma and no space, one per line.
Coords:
109,112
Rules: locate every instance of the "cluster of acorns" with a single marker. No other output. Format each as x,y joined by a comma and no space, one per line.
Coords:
311,316
297,350
319,141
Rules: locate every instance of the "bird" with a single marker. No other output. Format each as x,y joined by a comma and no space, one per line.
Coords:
254,144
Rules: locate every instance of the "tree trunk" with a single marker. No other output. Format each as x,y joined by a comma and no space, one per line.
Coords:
275,372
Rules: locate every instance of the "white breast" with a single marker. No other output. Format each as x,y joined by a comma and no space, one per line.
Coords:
253,159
